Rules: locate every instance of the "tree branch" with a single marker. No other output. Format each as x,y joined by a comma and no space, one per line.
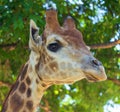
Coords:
12,46
116,81
5,84
118,55
105,45
46,108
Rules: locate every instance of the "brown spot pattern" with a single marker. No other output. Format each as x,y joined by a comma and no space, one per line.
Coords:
29,105
22,87
37,81
28,81
28,92
43,85
15,86
16,103
37,69
5,106
23,73
53,65
37,65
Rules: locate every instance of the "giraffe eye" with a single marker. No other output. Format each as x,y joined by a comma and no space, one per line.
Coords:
54,47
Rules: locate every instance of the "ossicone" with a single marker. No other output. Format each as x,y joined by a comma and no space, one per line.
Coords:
52,20
69,23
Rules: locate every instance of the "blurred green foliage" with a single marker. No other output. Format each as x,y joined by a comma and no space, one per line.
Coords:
98,20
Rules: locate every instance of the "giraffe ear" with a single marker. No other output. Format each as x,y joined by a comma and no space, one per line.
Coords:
35,38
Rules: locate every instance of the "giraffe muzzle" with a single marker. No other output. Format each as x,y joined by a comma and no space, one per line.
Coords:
94,71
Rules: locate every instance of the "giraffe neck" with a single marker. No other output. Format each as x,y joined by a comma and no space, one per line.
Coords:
26,93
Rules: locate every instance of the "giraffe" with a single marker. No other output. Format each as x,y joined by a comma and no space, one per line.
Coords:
58,56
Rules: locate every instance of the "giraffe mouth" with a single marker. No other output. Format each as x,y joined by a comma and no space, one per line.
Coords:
91,78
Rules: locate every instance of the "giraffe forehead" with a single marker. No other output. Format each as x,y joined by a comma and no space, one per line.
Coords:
71,37
53,37
74,37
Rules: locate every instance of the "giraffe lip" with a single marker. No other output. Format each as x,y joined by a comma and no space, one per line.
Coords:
91,78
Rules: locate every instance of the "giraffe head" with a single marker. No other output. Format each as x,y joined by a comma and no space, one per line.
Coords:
60,55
